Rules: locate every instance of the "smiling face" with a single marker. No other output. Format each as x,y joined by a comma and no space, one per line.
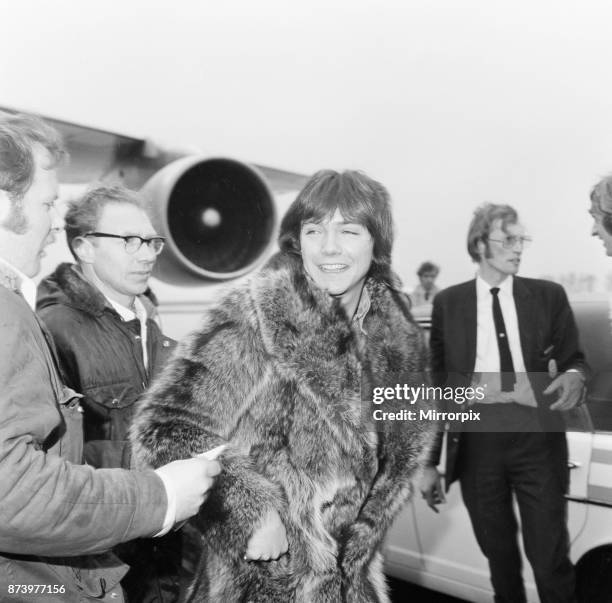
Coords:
337,255
105,262
25,248
496,261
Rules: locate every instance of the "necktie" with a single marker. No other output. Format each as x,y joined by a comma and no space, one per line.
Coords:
506,366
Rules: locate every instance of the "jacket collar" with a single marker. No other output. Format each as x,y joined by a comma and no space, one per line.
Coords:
524,301
68,286
468,301
316,347
291,309
9,277
525,311
15,280
307,330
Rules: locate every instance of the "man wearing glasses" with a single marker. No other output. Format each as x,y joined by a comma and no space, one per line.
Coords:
511,335
58,516
110,346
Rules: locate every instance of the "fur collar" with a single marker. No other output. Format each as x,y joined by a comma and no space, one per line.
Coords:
68,286
308,332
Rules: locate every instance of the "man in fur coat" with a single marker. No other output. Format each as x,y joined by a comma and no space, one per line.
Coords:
275,371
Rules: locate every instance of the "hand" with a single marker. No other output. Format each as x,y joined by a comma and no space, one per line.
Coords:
269,540
571,387
191,479
431,488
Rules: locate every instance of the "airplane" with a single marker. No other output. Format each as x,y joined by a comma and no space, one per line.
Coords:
219,215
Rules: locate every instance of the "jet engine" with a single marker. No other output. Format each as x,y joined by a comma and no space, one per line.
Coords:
218,216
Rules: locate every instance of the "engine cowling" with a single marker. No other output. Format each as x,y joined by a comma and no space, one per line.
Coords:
218,216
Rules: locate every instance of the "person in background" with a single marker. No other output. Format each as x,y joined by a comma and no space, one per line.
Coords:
601,212
426,290
275,372
57,516
504,333
110,346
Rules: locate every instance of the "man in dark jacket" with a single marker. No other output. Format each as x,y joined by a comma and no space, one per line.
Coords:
104,326
509,335
110,346
53,510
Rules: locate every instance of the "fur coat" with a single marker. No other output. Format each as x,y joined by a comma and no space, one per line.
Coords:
275,370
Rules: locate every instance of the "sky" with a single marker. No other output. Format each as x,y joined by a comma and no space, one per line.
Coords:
449,104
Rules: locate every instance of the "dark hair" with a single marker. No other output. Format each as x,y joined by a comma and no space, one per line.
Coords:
19,133
482,222
84,213
359,199
601,196
427,267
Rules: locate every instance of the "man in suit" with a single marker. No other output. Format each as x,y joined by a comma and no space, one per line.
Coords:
509,335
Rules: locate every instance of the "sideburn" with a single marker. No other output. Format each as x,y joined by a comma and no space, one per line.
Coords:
16,220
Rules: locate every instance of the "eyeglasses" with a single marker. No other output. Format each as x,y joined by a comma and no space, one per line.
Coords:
133,242
510,241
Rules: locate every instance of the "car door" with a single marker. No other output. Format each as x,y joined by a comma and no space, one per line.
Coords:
450,560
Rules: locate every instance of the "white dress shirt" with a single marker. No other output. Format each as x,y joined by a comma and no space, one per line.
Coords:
139,312
487,350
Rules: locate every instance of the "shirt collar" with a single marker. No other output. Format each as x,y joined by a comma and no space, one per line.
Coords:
483,289
139,311
16,280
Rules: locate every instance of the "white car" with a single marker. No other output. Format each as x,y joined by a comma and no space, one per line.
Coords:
439,551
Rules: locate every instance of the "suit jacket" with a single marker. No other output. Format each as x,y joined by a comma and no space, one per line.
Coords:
547,330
